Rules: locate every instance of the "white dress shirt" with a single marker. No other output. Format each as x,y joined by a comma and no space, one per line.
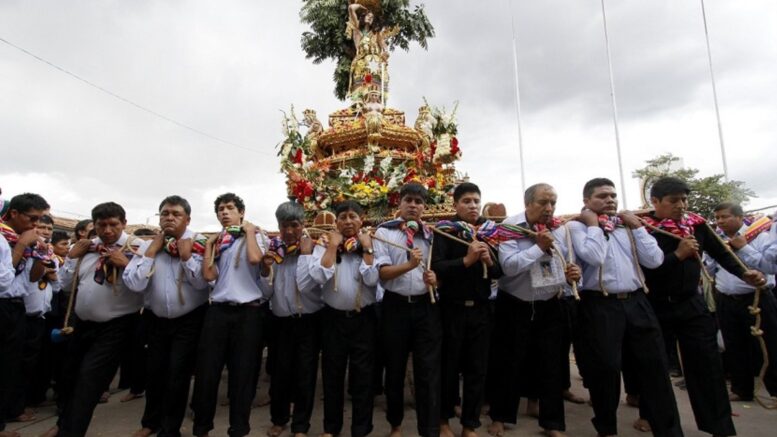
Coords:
293,290
238,284
161,288
38,302
96,302
614,256
517,258
770,252
7,270
751,254
410,283
353,278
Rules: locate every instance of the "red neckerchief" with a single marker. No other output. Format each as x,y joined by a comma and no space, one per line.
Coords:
683,228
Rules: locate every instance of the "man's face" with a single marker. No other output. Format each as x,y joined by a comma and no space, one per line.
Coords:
24,221
411,207
44,230
84,233
229,215
109,229
291,231
468,207
348,223
61,247
173,220
728,222
604,200
542,207
671,206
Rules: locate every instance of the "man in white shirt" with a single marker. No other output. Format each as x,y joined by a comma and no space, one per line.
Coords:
411,322
18,268
295,301
167,270
344,267
232,329
736,296
106,312
615,313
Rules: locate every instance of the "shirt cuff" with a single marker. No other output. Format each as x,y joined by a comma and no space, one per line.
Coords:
534,253
191,264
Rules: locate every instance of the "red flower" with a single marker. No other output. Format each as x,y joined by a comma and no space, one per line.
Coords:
431,183
380,180
368,78
357,177
455,146
454,142
298,157
410,175
303,190
393,199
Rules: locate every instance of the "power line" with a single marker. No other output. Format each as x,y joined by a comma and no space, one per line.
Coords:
128,101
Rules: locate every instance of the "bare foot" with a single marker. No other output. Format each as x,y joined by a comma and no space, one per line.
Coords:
468,432
396,432
457,411
275,430
300,434
445,430
571,397
143,432
642,425
130,397
104,397
261,402
326,434
52,432
632,400
733,397
496,429
24,417
9,434
533,408
553,433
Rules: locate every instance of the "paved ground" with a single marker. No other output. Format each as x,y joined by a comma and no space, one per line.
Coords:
122,419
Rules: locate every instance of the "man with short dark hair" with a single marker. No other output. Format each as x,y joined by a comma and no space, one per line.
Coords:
465,273
232,329
168,271
106,312
20,249
736,298
343,264
615,317
411,321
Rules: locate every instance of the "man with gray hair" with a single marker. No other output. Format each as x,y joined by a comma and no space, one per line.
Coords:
295,300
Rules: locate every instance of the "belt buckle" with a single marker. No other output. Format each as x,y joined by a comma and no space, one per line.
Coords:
469,303
410,299
622,296
296,315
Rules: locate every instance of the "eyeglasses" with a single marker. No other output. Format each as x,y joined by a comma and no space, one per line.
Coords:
33,218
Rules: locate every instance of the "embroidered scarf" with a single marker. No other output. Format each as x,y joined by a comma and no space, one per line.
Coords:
170,246
410,228
684,228
348,245
486,231
515,232
39,251
226,239
609,223
279,250
104,271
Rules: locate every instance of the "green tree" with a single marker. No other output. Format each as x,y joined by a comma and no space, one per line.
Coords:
327,40
706,192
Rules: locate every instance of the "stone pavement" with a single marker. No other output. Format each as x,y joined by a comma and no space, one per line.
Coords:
122,419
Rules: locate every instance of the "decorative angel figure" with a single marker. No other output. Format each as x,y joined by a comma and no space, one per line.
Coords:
369,68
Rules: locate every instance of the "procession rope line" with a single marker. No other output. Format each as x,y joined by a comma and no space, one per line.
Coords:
465,242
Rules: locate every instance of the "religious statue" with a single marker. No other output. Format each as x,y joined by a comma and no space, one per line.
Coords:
369,68
314,126
424,124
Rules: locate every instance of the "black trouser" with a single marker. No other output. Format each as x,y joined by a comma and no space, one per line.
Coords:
413,327
230,335
172,352
570,337
610,328
525,326
492,380
735,322
133,360
29,379
465,345
696,332
348,340
11,347
297,347
92,360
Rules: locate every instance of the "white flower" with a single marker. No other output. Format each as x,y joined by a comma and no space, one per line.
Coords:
385,165
369,163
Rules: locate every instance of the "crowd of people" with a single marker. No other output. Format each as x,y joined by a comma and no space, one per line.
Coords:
485,312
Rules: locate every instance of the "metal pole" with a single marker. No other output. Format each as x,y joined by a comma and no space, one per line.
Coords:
614,109
517,99
714,93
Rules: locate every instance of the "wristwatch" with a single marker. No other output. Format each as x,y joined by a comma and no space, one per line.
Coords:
369,250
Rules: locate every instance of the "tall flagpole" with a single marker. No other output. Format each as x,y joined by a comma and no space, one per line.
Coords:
614,109
517,98
714,93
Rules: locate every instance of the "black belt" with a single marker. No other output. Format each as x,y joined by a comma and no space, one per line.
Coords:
252,304
298,316
672,298
13,299
619,296
748,296
348,314
396,297
464,303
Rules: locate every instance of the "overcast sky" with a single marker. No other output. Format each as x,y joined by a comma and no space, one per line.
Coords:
227,68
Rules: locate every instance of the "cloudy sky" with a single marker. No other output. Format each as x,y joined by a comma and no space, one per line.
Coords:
227,68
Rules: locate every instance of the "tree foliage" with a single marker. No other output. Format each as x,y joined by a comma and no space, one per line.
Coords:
706,192
327,40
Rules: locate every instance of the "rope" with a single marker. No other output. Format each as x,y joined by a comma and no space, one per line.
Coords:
465,242
71,300
571,259
704,271
635,258
425,267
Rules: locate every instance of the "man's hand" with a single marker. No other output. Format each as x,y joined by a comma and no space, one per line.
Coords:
416,257
212,240
754,278
50,274
305,244
430,278
79,249
630,219
185,249
737,242
365,239
249,228
474,253
486,255
544,240
267,262
688,247
156,245
27,238
589,217
117,258
335,238
573,273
